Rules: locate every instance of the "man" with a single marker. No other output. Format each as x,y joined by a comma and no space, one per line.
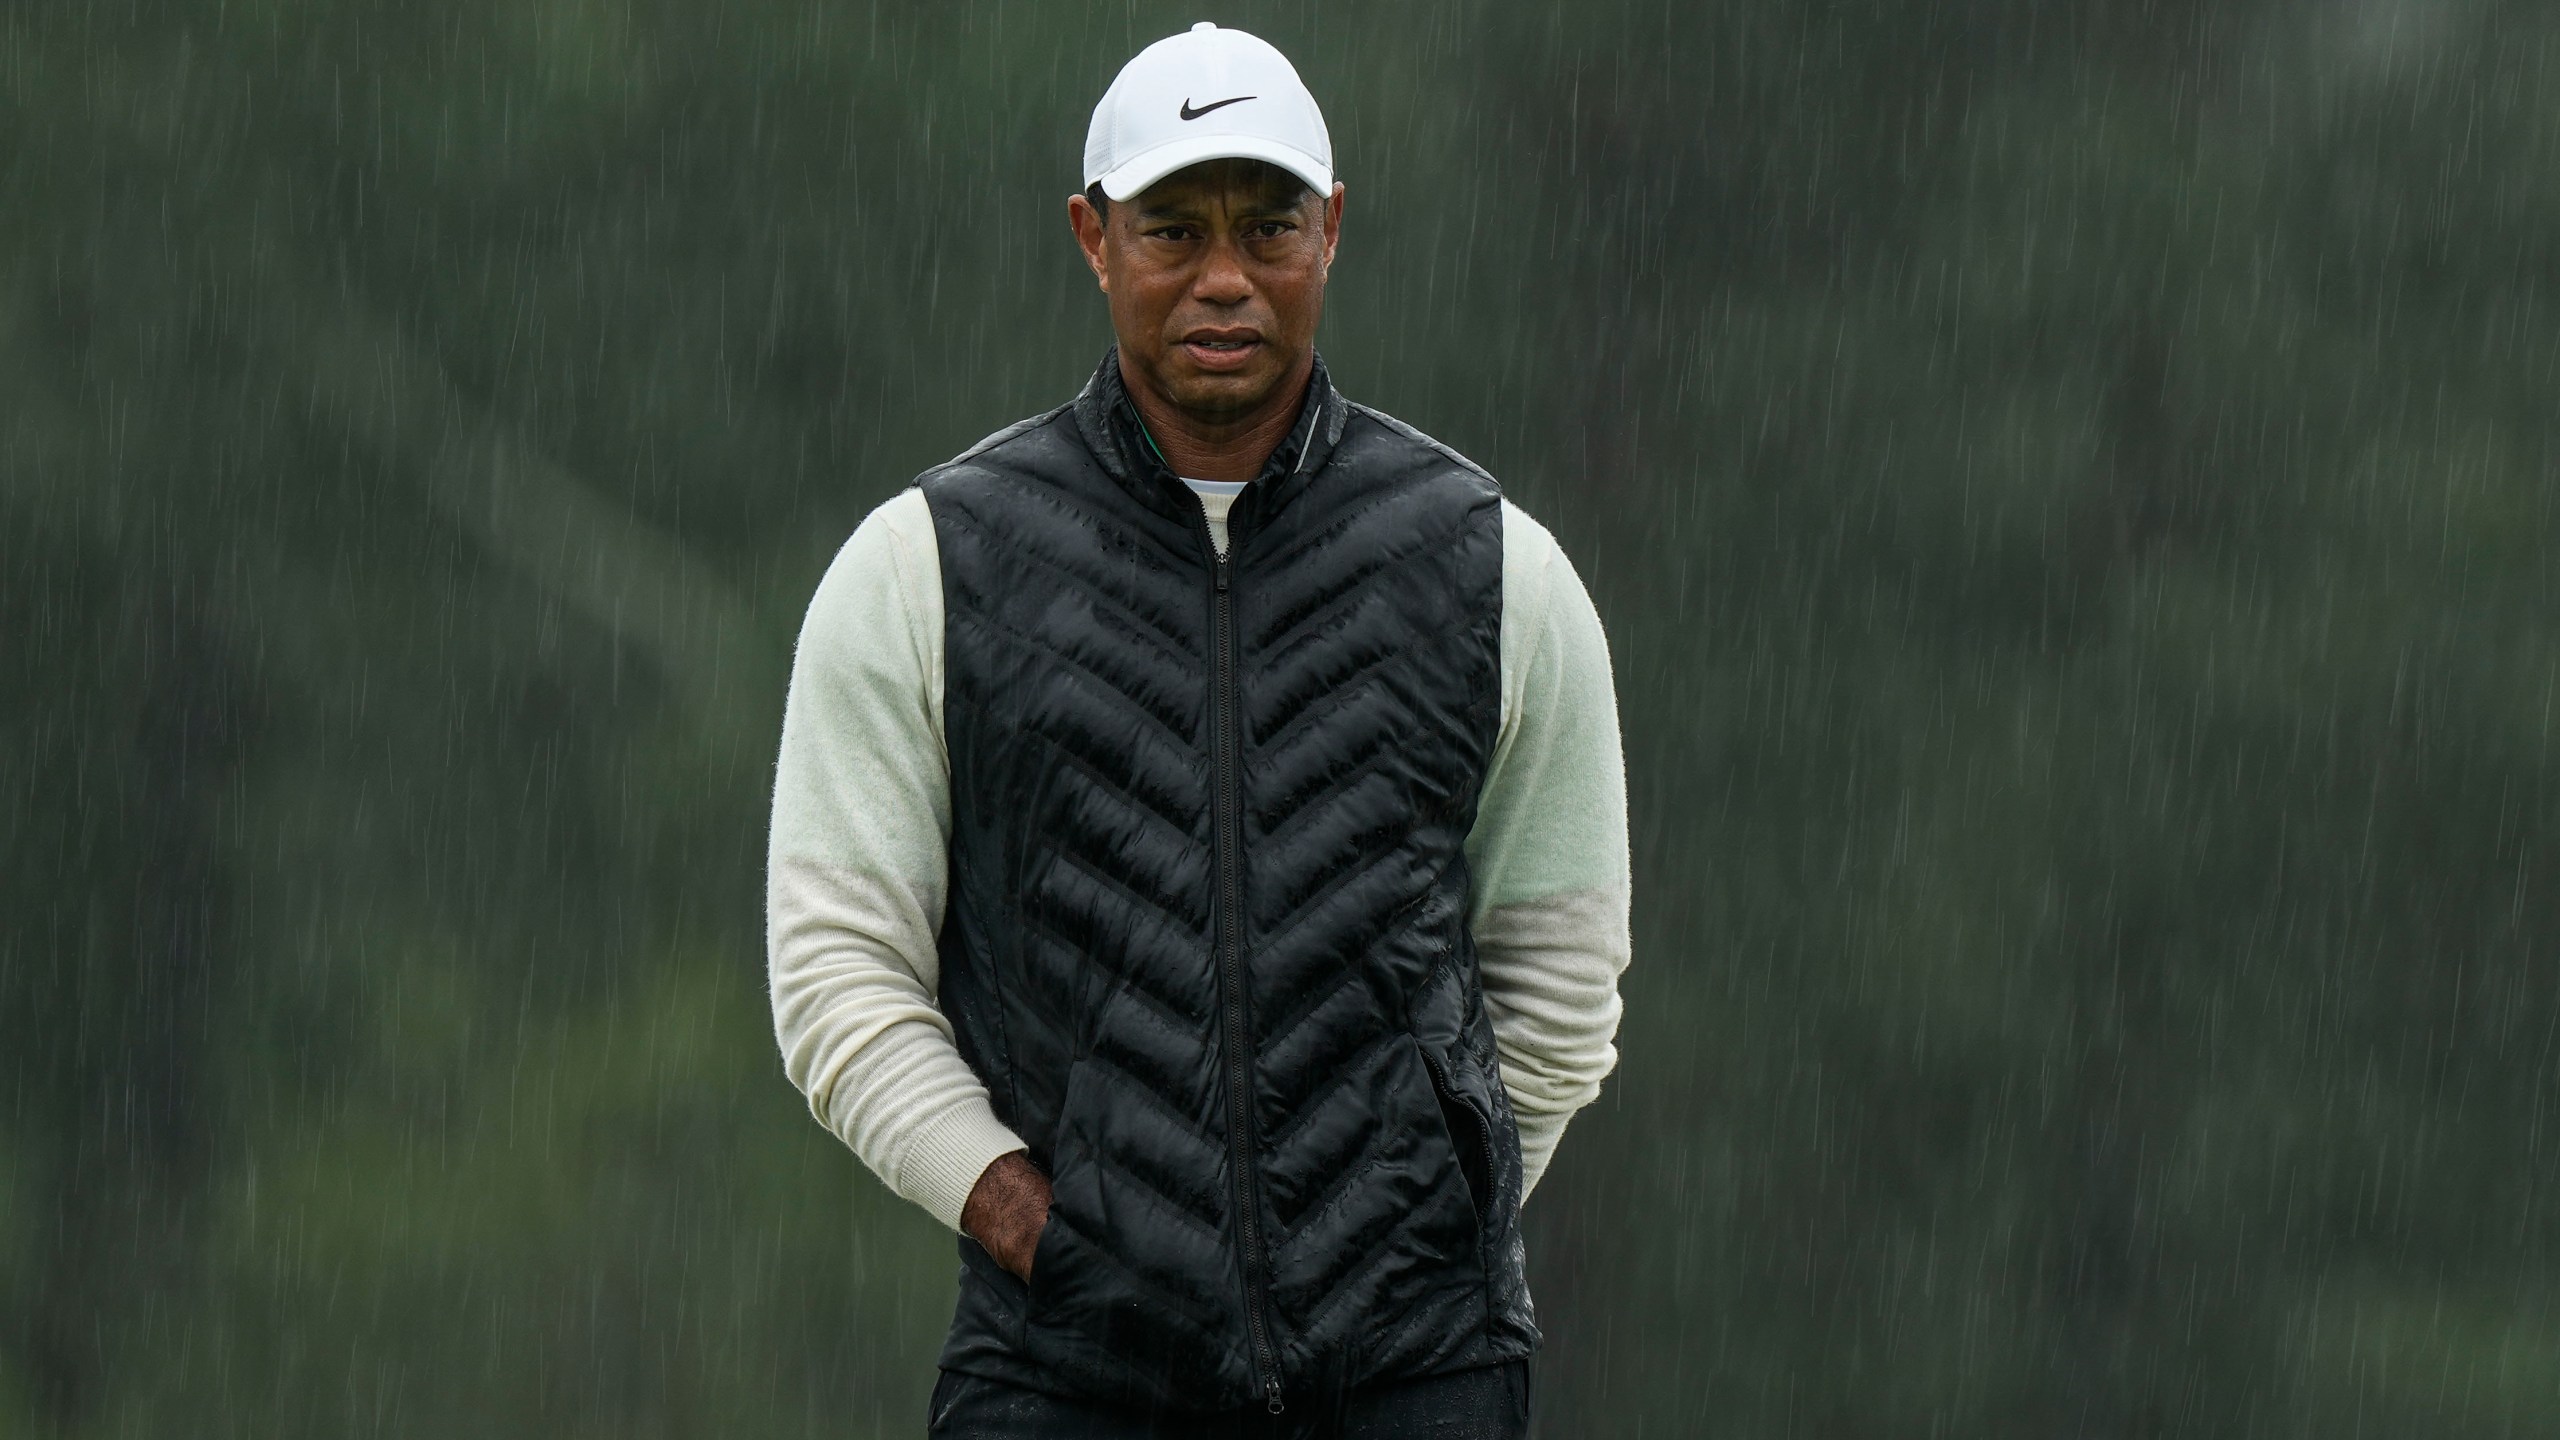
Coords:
1199,860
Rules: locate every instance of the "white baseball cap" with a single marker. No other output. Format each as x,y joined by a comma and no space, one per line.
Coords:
1206,94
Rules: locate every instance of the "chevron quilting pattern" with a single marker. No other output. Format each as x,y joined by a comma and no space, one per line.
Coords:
1079,952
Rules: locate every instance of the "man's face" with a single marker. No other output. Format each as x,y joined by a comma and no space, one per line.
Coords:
1216,280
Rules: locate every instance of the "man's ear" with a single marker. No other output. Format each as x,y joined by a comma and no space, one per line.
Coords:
1091,237
1332,223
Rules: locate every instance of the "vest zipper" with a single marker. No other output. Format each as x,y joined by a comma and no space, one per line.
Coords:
1240,1130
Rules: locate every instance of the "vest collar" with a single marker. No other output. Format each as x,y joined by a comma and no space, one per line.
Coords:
1108,421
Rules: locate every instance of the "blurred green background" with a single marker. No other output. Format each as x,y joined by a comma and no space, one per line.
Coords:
2070,487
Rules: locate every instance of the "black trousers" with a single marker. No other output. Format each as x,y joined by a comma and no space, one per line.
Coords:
1490,1403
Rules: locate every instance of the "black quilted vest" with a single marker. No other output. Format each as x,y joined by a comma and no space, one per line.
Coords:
1207,938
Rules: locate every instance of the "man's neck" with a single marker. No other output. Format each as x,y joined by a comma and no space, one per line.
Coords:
1210,450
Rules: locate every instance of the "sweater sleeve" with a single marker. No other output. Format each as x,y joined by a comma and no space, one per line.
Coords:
1549,849
857,870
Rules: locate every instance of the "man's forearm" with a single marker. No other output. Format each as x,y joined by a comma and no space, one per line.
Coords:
863,1038
1550,971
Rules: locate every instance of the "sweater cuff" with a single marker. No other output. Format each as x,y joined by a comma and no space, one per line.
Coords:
948,1153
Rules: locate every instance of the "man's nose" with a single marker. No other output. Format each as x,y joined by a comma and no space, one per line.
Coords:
1222,280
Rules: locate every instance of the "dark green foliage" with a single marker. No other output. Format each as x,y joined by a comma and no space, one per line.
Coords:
2070,489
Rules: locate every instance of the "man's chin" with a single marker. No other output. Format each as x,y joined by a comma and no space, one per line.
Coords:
1217,398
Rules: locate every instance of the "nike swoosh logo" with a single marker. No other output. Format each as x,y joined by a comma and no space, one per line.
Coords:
1190,114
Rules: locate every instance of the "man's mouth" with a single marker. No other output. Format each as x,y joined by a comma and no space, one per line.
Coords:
1221,349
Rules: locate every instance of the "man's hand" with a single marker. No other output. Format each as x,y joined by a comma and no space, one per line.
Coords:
1007,1210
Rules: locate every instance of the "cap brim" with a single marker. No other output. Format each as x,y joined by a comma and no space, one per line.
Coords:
1142,170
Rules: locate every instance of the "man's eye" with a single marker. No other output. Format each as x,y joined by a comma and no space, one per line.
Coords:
1174,232
1273,229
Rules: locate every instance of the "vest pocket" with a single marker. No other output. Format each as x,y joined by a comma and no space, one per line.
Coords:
1045,1279
1470,1135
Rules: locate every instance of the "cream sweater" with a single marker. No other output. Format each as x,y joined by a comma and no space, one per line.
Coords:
862,824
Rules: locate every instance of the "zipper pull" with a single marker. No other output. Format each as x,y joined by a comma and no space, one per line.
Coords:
1271,1395
1222,575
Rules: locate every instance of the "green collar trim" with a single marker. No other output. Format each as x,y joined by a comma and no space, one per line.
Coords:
1150,439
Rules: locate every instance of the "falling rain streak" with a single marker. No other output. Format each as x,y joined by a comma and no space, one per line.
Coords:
2070,489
